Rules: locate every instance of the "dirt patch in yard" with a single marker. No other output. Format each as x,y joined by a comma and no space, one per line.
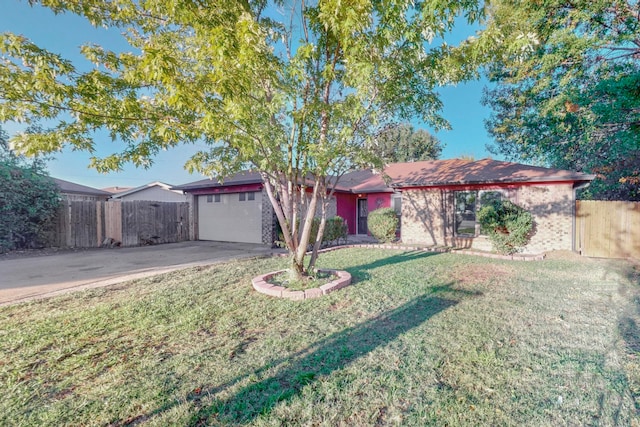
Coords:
565,256
473,274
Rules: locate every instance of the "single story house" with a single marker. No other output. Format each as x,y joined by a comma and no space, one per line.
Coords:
154,191
436,202
116,189
76,192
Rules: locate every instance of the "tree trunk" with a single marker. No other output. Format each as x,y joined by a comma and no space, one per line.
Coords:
296,270
323,223
306,229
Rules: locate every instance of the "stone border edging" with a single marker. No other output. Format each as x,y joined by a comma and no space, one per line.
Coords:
262,285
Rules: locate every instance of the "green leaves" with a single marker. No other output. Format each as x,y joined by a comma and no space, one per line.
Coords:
403,143
28,200
293,90
508,225
565,94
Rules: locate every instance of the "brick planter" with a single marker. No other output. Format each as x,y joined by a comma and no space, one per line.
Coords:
262,285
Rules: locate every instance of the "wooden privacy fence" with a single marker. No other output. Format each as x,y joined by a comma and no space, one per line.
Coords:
608,229
87,224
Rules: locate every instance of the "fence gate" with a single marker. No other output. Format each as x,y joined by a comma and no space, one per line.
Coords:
86,224
608,229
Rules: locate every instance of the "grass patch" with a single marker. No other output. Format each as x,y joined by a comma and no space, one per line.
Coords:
419,339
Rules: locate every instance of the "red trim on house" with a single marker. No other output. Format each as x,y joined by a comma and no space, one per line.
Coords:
487,186
226,189
346,208
378,200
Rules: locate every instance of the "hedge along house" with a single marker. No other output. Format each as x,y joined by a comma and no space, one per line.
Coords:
440,200
436,201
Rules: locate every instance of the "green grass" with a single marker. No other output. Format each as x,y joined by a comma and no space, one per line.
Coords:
418,339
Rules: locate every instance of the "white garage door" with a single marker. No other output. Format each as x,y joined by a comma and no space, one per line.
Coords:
235,217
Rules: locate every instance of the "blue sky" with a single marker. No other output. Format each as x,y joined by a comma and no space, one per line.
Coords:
64,34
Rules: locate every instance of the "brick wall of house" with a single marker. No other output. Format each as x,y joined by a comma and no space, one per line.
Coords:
427,218
552,207
423,221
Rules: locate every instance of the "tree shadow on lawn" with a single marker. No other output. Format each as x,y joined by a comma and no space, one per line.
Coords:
361,272
326,356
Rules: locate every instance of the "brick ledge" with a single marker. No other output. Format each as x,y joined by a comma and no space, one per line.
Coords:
261,284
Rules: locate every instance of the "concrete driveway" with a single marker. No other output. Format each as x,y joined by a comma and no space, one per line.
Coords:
22,279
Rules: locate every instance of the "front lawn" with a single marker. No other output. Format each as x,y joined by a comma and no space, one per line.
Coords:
418,339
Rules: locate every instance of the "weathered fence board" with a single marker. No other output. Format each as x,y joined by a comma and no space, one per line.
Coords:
608,229
85,224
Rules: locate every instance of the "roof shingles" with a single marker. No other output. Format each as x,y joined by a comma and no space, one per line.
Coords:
430,173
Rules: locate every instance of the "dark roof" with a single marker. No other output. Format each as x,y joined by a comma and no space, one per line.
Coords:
240,178
485,171
73,188
363,181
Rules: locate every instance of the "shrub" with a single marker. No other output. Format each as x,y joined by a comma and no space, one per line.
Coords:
383,224
335,230
507,225
29,200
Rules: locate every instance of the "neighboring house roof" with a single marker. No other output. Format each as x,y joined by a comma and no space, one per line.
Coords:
424,174
116,189
485,171
73,188
240,178
165,186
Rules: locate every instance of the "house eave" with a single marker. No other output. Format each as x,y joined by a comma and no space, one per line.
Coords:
502,182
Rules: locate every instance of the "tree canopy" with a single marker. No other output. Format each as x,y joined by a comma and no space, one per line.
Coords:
403,143
291,89
28,199
567,90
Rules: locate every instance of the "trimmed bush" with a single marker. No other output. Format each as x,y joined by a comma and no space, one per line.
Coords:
335,230
383,224
507,225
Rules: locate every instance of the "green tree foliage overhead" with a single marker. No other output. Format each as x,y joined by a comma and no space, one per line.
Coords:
567,88
291,89
403,143
29,200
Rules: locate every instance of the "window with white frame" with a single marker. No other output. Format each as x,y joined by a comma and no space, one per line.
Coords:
396,203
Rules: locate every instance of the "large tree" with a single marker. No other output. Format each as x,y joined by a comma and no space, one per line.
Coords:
567,90
403,143
295,90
